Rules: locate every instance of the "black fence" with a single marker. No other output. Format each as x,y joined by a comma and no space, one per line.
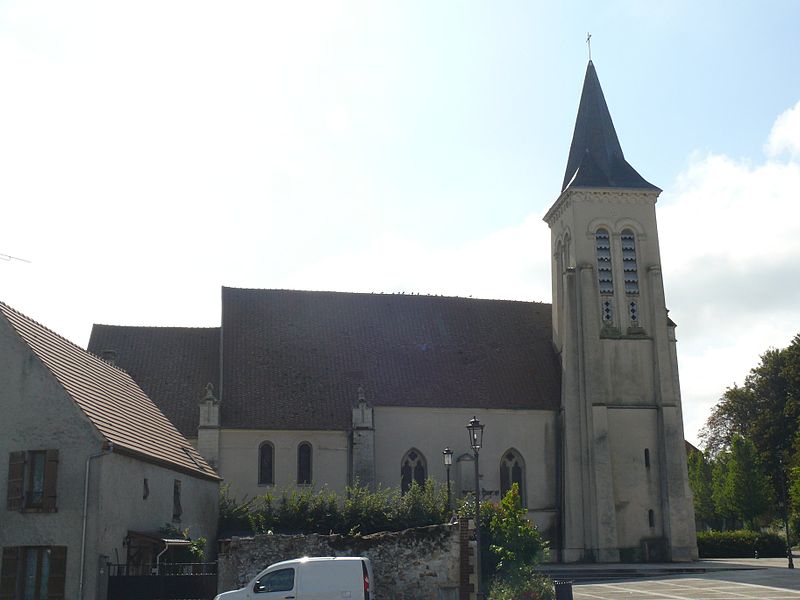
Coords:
168,581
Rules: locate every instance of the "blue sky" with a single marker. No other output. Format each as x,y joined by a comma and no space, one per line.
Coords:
151,152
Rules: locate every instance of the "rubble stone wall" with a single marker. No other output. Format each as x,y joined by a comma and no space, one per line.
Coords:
415,564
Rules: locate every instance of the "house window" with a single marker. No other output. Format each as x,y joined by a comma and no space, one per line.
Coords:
304,464
412,469
177,509
605,278
630,271
145,489
266,455
651,518
647,457
512,470
33,572
32,479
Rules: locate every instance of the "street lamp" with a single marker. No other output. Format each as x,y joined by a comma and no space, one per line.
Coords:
447,454
475,429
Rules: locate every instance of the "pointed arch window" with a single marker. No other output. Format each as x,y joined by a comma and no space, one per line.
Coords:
304,464
266,464
512,470
413,469
629,268
605,278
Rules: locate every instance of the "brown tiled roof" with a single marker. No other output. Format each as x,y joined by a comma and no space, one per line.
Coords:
171,364
118,408
295,359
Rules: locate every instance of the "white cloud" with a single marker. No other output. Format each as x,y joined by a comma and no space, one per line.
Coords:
785,134
730,240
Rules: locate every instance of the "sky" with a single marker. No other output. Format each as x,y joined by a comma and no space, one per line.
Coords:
152,152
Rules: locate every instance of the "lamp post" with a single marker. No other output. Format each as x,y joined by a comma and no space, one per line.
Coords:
475,429
447,454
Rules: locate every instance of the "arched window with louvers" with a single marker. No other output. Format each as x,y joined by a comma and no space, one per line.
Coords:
605,274
630,274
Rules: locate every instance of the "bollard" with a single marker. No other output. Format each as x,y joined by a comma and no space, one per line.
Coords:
563,589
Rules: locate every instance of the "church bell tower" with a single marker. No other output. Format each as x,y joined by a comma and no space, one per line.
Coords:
624,485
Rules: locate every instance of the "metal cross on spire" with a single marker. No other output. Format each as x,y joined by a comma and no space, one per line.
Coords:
589,44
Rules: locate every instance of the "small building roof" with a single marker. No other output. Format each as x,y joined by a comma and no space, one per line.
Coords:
173,365
595,156
113,402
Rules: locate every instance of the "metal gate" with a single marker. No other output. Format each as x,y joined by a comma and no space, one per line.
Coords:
166,581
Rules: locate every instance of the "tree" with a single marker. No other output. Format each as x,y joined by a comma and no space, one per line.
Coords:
741,489
700,480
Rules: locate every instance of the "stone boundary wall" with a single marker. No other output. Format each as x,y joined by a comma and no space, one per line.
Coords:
425,563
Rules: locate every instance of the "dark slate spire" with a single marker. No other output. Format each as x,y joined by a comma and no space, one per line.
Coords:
595,157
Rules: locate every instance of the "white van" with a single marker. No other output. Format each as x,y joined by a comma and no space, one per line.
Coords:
330,578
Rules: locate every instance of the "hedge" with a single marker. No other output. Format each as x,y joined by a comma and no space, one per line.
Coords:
740,544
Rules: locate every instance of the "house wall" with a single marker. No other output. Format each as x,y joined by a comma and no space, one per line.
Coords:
37,414
238,459
118,506
531,432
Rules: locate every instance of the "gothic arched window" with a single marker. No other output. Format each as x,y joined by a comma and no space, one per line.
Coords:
630,271
304,464
512,470
413,468
605,278
266,463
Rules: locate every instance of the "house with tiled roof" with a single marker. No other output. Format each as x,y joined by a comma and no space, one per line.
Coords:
95,470
580,397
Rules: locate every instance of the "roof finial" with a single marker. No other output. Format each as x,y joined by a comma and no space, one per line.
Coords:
589,44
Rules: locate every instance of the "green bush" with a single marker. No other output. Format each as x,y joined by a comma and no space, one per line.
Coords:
740,544
525,585
359,511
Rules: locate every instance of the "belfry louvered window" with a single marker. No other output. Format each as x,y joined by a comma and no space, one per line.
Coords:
630,271
605,278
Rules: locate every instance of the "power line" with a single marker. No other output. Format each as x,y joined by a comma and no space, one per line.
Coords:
8,257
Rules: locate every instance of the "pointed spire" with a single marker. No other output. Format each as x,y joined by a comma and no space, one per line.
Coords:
595,157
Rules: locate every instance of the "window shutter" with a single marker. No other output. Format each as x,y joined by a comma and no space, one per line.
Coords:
58,573
50,480
16,480
8,572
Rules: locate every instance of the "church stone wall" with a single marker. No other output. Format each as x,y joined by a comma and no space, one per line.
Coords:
532,433
636,485
238,459
415,564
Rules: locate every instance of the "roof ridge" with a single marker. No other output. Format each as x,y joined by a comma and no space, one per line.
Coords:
59,336
388,294
182,327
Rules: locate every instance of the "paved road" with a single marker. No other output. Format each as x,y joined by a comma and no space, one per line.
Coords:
771,583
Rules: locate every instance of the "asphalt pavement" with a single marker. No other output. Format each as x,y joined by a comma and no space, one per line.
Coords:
720,579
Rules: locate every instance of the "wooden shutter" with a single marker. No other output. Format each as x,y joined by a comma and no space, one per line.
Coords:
16,480
50,480
58,573
8,572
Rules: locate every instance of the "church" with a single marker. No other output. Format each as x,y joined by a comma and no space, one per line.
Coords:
580,398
